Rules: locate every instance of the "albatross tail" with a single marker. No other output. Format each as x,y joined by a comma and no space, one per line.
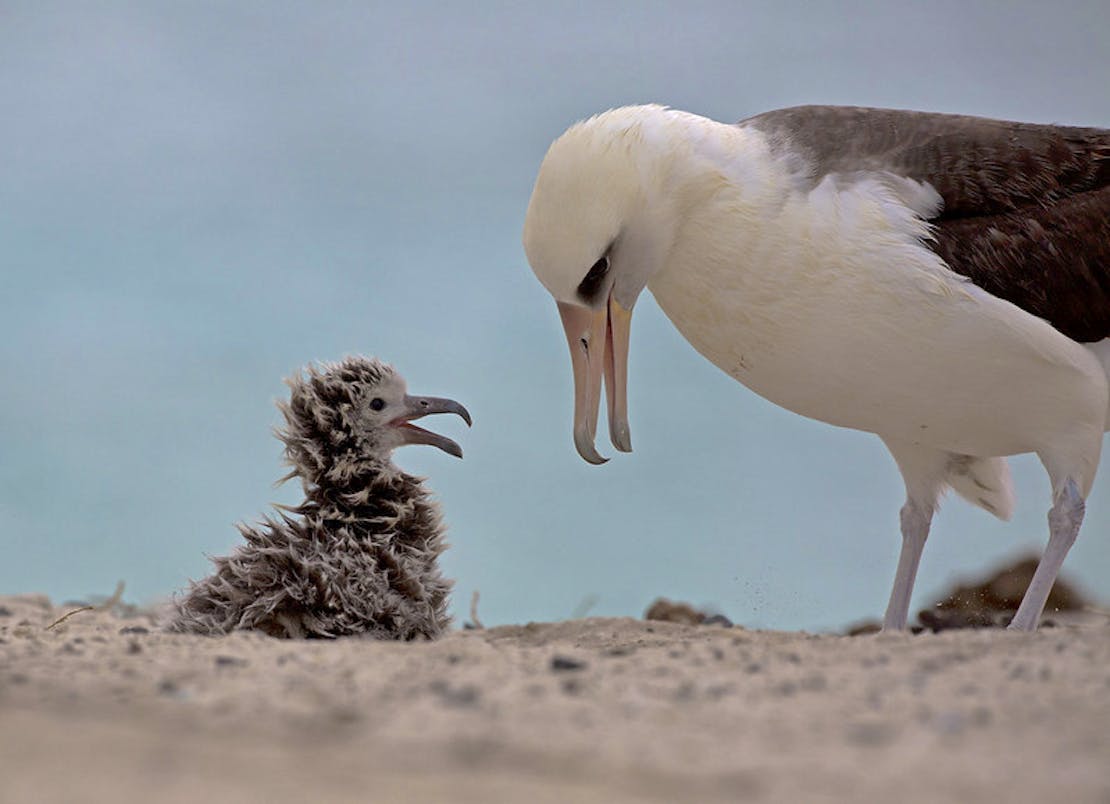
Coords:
985,482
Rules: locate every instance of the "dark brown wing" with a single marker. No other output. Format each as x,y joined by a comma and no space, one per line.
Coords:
1026,211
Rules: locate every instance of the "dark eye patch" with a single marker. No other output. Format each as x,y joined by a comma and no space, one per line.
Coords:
589,287
377,403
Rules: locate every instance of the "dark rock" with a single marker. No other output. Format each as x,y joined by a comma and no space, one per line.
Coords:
134,629
564,663
619,650
945,619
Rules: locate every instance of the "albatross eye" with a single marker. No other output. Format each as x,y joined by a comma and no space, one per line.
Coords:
589,287
377,403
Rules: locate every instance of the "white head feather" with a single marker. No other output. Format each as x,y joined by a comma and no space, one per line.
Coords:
602,190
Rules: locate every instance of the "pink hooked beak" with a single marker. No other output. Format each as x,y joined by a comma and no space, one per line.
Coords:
598,341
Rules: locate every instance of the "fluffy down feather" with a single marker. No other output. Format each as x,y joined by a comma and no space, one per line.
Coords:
358,556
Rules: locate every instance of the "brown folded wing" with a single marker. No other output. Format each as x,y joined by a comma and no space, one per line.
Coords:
1026,212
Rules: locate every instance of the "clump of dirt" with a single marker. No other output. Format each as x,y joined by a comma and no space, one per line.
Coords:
678,612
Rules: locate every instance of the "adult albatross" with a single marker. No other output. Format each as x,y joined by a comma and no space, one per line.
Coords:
941,281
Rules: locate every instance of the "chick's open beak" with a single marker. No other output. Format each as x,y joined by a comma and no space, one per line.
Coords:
416,407
598,341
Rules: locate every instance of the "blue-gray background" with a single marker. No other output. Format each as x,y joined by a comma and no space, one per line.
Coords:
197,198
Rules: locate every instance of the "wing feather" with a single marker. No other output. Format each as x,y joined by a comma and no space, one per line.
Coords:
1026,206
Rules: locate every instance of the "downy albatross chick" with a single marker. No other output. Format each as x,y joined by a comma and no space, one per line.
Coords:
939,280
359,555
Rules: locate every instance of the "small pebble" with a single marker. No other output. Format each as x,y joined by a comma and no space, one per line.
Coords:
685,692
345,715
571,686
786,688
950,722
870,733
814,683
466,695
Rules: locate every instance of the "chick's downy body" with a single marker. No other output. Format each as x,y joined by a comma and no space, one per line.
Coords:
360,554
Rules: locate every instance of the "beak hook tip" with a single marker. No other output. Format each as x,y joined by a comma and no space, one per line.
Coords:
589,453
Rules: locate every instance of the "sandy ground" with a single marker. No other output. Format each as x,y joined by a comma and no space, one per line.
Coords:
107,708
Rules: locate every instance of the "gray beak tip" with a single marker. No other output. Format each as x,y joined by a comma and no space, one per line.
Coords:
417,407
589,453
621,438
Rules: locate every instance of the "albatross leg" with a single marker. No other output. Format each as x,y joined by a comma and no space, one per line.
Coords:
1064,520
924,470
916,519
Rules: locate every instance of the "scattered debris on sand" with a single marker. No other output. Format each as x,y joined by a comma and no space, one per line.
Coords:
678,612
992,601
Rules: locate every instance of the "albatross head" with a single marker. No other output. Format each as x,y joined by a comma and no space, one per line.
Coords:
598,227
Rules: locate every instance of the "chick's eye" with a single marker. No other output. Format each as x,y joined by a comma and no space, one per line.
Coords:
377,403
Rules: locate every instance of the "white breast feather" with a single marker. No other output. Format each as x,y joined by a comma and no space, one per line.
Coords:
829,303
